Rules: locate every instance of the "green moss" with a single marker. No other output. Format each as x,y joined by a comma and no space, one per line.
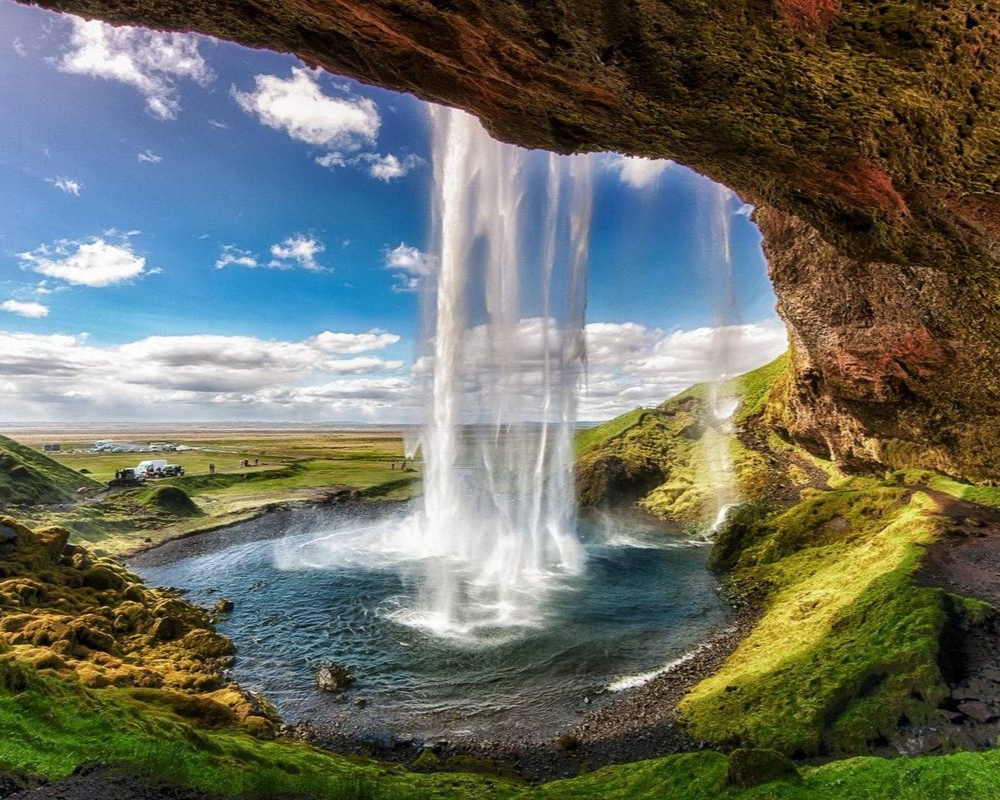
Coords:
599,434
847,643
28,477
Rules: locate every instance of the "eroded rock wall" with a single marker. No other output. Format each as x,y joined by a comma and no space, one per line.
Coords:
872,127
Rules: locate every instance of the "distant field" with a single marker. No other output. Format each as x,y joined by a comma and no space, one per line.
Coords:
297,465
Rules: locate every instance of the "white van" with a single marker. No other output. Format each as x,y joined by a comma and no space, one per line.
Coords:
151,466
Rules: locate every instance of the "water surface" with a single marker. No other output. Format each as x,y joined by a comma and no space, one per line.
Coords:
313,587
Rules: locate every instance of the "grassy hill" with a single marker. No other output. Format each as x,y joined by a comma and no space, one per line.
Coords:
27,477
658,457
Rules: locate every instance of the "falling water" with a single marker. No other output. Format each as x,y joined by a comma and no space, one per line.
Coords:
504,330
722,403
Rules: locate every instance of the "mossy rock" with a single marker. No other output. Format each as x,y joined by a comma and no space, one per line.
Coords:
102,578
749,767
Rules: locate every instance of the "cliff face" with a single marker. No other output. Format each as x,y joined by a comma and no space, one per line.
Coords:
867,133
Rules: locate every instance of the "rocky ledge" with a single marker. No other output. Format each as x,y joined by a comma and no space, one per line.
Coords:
67,613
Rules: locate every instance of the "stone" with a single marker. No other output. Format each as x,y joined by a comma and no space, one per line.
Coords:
166,629
224,606
978,711
749,767
333,678
8,539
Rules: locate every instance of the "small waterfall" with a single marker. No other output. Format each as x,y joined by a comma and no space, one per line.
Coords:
722,404
504,320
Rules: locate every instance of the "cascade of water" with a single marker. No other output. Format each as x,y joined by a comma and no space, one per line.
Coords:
721,402
504,320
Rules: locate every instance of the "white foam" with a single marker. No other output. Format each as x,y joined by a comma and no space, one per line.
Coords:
635,681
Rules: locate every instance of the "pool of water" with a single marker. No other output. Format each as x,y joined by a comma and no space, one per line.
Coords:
315,587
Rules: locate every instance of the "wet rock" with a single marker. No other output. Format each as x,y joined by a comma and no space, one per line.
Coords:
205,644
360,702
750,767
567,742
333,678
224,606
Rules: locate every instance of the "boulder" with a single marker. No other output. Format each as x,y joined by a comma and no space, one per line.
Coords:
54,540
750,767
224,606
166,629
333,677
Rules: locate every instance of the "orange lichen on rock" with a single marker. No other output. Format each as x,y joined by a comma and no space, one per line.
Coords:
808,15
90,619
863,182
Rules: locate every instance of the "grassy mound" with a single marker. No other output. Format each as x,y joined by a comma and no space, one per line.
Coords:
169,500
27,477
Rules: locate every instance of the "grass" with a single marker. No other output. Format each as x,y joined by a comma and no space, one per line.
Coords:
292,467
847,643
589,437
54,726
28,476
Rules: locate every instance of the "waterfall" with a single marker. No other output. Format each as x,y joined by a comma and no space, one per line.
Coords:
504,318
722,404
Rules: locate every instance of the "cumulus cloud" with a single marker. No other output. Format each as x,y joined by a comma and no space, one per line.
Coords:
297,251
149,157
55,375
67,185
25,309
638,173
99,261
409,265
151,62
298,106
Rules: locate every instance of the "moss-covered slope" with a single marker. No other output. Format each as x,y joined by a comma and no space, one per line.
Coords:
661,458
27,477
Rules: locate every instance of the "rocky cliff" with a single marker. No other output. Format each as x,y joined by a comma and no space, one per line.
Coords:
867,133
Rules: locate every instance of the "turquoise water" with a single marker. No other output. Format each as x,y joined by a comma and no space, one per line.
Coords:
313,587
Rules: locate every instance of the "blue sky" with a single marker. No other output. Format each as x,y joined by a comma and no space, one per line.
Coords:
185,218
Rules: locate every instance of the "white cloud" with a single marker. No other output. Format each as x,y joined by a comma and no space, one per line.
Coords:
631,365
94,262
353,343
217,124
25,309
297,250
298,106
410,266
56,376
384,168
149,157
639,173
19,47
233,256
66,185
148,61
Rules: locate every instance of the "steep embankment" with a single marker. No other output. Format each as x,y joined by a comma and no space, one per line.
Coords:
27,477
